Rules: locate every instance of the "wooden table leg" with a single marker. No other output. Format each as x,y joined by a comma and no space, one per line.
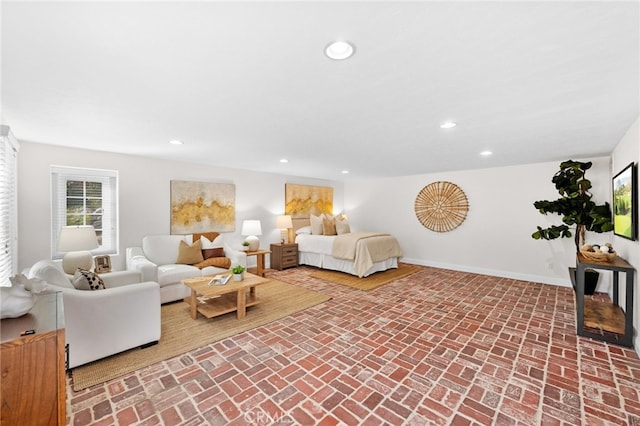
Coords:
193,302
260,265
242,303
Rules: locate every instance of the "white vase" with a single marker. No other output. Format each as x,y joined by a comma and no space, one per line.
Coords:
237,277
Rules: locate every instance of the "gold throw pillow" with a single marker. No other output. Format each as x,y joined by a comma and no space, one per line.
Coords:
190,254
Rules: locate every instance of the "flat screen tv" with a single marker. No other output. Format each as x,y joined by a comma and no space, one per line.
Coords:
625,203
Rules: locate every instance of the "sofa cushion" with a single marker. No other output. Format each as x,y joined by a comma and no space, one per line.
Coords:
87,280
174,273
47,271
190,254
162,249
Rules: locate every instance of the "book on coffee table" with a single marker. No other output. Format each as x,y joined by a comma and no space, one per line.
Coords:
219,280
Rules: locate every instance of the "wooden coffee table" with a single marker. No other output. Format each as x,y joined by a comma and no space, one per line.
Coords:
215,300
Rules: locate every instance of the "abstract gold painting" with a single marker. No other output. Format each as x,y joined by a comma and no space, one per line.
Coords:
202,207
304,200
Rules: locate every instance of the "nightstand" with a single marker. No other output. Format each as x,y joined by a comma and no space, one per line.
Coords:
284,255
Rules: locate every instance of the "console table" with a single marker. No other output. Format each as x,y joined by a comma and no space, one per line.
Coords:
608,317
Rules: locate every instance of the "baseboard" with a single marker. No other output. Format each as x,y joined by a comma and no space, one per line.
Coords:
493,272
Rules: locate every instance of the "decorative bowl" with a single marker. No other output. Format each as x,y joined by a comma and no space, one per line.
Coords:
599,256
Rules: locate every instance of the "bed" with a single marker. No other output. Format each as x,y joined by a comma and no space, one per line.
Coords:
356,253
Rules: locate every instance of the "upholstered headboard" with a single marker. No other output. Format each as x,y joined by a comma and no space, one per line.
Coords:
299,222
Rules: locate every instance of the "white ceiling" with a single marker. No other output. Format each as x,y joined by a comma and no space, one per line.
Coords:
245,84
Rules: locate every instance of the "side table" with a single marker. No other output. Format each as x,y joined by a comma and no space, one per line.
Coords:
284,255
608,317
259,254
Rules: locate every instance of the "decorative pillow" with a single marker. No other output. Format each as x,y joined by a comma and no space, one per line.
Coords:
220,262
47,271
190,254
316,224
329,226
87,280
208,244
212,252
342,225
304,230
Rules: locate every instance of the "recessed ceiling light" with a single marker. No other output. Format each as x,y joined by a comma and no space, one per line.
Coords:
345,172
284,160
448,125
486,153
339,50
176,142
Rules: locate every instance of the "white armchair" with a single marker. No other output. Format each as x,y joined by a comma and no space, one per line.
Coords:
100,323
157,258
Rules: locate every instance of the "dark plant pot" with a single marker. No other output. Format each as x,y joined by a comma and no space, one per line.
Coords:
591,277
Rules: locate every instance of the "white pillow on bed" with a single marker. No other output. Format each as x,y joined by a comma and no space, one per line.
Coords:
306,230
316,224
342,225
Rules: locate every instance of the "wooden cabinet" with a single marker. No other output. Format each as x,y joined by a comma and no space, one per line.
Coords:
602,320
32,366
284,256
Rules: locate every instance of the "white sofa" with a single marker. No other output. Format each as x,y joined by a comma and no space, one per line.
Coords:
156,261
99,323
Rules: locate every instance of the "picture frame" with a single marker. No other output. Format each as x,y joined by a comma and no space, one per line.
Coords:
103,264
625,203
198,207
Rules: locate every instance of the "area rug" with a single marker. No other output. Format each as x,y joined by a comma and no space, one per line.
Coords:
181,334
370,282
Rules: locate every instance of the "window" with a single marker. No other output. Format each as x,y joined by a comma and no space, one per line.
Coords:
8,206
85,197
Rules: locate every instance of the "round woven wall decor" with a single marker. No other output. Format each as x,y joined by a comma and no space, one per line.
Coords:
441,206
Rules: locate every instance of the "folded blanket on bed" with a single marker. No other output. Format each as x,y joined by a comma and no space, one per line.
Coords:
365,249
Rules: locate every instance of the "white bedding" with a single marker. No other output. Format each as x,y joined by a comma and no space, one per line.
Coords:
315,250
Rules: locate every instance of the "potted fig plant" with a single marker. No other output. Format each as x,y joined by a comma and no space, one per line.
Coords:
238,272
578,211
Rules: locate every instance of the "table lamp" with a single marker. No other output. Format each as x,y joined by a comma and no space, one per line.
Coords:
285,225
76,241
251,229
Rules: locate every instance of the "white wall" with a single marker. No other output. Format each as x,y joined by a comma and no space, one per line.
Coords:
144,186
627,151
495,238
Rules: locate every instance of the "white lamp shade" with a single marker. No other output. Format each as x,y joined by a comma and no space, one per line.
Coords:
77,241
251,227
284,222
77,238
285,225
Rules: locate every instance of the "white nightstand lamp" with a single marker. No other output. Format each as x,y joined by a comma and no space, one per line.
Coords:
285,224
251,229
77,241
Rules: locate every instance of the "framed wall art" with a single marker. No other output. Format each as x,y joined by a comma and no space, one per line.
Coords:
304,200
198,207
625,203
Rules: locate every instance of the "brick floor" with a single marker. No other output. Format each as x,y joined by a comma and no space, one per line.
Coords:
436,348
